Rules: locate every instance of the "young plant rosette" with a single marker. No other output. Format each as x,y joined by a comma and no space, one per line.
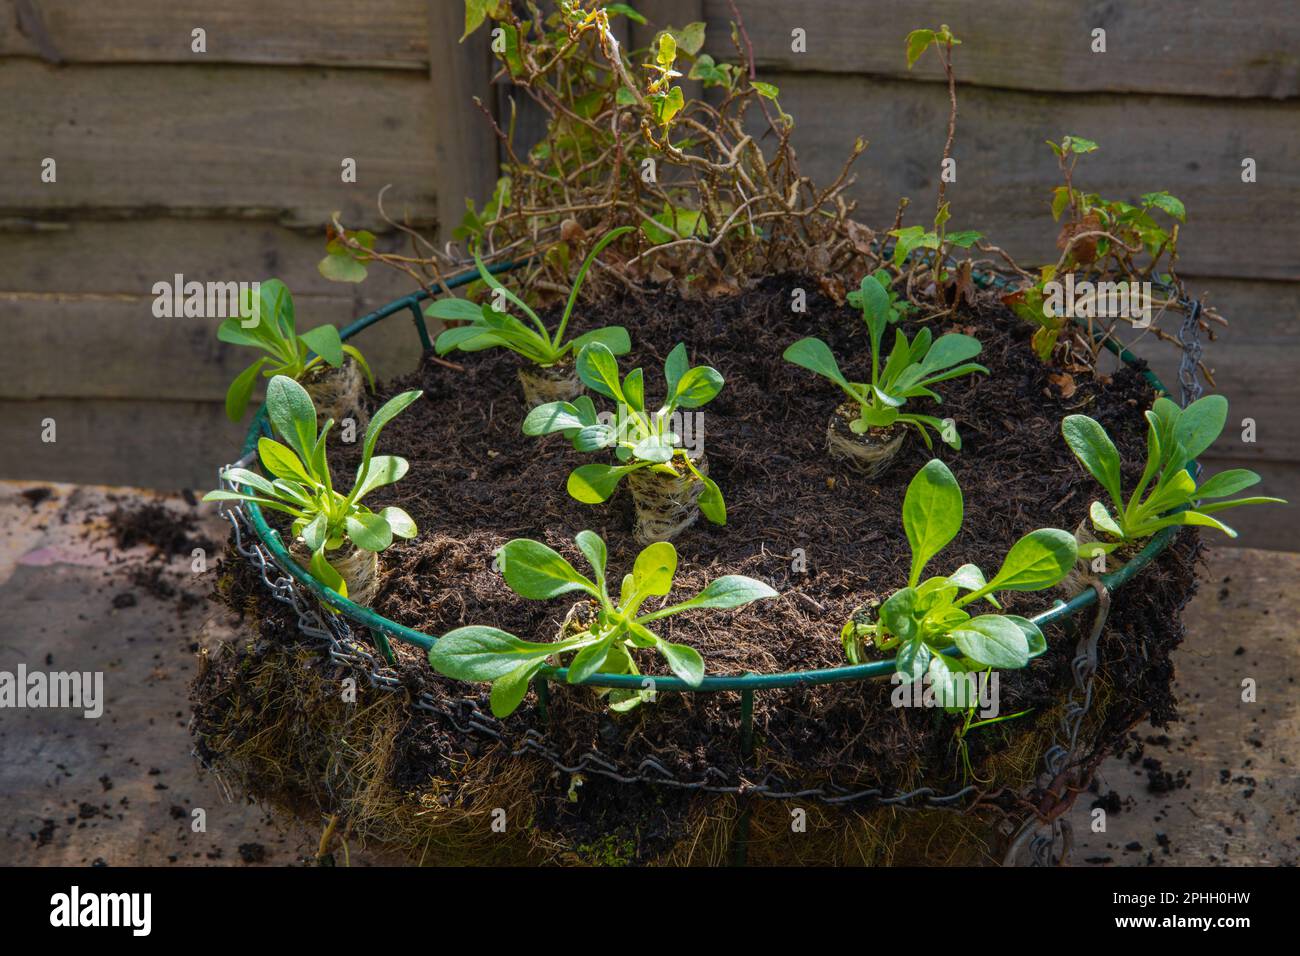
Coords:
1176,437
550,372
605,645
643,441
268,324
926,622
325,520
910,370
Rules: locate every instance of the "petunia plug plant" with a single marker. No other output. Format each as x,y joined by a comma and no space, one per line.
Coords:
926,623
602,645
339,535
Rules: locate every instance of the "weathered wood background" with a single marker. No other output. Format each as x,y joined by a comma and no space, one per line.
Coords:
226,165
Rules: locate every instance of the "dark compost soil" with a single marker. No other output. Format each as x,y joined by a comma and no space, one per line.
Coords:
476,482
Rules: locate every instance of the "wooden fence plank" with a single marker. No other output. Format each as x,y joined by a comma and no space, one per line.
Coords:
72,346
149,444
377,33
1192,148
1237,48
128,257
243,142
465,145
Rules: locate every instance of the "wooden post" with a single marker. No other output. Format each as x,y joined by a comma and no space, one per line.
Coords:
465,145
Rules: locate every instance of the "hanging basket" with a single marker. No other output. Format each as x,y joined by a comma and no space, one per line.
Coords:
322,755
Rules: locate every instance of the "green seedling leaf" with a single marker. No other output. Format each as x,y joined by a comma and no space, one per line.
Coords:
598,370
697,387
816,356
710,501
1227,483
325,573
399,521
655,566
898,614
241,390
292,414
684,661
932,514
1199,425
1095,451
1102,520
452,309
1038,560
324,341
534,571
593,549
508,692
675,367
729,591
592,484
480,653
994,641
614,338
369,532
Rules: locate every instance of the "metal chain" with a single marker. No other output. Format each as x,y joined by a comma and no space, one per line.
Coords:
1044,836
1189,367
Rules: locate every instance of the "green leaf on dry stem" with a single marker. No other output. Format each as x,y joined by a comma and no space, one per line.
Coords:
341,267
918,41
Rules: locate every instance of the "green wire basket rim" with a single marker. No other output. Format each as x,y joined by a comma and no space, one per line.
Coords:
379,624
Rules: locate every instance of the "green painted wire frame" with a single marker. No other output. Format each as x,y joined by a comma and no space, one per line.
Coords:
383,628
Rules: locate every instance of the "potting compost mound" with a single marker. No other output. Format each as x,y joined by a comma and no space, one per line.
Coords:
825,538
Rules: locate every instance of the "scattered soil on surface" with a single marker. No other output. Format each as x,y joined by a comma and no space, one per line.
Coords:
35,496
476,482
166,531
